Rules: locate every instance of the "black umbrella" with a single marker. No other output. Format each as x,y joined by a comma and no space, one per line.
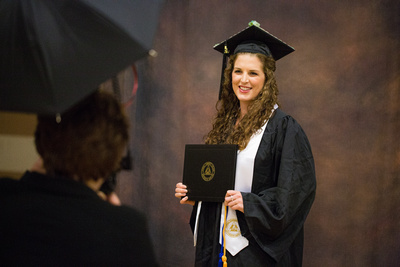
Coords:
55,52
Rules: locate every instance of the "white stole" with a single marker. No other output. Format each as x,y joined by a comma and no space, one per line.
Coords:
234,241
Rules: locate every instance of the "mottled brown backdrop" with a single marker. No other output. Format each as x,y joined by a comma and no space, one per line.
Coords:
341,84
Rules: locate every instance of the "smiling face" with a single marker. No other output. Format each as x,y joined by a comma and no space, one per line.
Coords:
248,79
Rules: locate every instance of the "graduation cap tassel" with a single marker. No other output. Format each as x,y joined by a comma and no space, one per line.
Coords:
224,60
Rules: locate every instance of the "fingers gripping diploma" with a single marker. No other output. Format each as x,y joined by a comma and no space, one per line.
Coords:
180,192
234,200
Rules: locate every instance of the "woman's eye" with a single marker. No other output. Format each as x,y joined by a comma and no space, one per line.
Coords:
237,71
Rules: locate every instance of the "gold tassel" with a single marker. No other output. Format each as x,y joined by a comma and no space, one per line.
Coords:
224,259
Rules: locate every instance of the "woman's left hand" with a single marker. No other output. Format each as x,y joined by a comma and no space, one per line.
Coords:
234,200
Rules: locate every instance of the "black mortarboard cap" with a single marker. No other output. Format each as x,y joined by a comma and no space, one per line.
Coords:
253,39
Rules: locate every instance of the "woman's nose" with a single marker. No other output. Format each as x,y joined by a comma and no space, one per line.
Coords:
245,78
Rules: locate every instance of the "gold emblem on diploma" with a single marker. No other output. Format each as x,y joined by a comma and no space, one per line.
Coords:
208,171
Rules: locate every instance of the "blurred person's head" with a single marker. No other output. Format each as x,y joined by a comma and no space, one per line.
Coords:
88,143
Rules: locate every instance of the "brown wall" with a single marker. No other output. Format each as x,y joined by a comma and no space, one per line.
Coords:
341,84
17,151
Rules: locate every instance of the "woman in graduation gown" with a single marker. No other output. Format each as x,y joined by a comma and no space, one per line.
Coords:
275,176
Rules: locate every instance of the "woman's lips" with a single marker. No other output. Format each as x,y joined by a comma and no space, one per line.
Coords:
244,89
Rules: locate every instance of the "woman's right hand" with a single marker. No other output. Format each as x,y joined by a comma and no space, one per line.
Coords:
180,192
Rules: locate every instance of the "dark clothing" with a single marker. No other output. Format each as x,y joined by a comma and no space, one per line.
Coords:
282,193
53,221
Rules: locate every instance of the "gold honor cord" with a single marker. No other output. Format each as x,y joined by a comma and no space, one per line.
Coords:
224,259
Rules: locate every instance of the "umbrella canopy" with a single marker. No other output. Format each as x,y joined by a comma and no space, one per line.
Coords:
54,53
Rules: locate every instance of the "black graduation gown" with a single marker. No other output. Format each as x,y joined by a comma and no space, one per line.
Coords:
282,193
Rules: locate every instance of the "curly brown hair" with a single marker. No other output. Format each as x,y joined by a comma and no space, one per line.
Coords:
89,141
224,130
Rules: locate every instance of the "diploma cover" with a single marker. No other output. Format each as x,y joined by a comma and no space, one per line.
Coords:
209,171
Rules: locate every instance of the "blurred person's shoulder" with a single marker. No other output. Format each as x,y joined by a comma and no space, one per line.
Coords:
8,185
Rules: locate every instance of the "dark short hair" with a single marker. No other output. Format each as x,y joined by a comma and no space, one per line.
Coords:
89,141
